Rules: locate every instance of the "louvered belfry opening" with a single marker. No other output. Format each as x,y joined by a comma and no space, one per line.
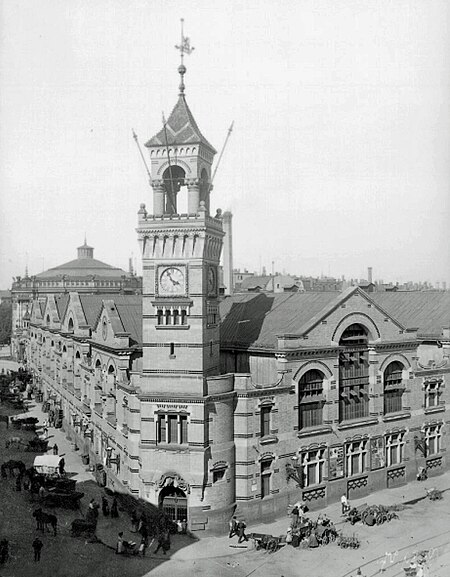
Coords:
354,374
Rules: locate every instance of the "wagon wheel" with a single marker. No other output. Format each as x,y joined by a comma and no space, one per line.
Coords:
325,539
380,518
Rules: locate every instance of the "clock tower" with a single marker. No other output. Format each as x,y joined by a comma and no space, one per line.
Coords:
181,350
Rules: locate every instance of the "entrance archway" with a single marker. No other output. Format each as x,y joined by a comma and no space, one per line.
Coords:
173,501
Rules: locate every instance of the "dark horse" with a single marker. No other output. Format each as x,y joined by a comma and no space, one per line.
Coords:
13,465
44,519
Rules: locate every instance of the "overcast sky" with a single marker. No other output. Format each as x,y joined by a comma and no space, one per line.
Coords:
340,154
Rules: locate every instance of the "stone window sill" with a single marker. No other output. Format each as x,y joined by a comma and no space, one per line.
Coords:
268,439
396,416
172,327
310,431
171,447
430,410
357,423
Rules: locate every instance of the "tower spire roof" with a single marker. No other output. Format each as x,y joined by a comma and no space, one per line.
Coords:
180,127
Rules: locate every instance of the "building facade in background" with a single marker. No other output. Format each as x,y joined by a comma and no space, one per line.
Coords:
84,275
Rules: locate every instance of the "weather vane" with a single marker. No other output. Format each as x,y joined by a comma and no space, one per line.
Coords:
185,48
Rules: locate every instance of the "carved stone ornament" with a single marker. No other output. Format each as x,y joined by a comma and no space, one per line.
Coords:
168,479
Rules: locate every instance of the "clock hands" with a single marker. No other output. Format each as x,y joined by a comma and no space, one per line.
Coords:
172,280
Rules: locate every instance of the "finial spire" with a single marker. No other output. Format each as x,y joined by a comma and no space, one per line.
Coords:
85,239
185,48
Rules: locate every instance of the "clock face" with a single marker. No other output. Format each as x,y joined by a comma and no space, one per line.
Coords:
171,281
211,280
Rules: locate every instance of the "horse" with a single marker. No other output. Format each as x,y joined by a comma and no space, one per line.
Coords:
13,441
12,465
44,519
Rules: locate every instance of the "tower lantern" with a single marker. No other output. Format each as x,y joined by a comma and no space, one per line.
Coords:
180,155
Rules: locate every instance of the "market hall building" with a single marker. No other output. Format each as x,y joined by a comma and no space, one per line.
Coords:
208,406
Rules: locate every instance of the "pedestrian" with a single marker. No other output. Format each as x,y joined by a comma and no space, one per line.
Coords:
143,546
134,521
160,543
62,464
37,546
295,514
184,526
105,507
114,509
55,449
179,526
119,548
241,531
233,527
41,492
344,504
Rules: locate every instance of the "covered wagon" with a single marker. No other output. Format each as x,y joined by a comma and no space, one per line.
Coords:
47,464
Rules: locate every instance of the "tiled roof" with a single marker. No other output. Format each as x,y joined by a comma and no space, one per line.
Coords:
181,128
253,282
91,305
424,310
255,320
61,302
130,313
42,305
128,307
83,267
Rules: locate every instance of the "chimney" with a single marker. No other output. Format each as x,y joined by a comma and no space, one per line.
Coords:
228,252
369,274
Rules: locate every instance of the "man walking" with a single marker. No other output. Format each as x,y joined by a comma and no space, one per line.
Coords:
233,527
37,546
241,531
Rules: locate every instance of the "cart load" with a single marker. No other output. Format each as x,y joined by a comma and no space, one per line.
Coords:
371,514
47,464
55,498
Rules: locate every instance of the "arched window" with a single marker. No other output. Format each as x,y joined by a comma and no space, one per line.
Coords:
160,316
70,325
393,387
354,373
48,319
176,317
167,317
311,399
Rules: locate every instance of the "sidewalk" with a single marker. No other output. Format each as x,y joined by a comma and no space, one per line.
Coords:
210,547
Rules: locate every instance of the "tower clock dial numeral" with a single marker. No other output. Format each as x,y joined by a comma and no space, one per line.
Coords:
172,281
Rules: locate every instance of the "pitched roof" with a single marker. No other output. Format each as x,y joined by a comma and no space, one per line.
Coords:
253,282
83,267
91,305
61,302
255,320
426,311
128,307
130,313
181,128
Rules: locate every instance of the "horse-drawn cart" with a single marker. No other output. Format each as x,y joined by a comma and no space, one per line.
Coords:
371,514
83,528
37,445
70,500
267,542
